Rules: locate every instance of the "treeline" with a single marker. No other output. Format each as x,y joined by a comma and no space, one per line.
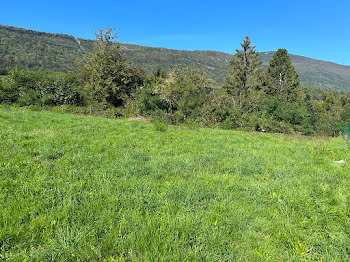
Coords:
251,97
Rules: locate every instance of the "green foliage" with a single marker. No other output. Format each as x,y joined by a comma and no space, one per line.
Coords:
29,49
145,101
26,87
281,79
159,125
245,76
293,113
185,92
326,114
130,193
105,75
217,108
8,93
250,99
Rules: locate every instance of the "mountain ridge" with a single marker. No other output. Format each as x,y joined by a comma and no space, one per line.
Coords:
27,48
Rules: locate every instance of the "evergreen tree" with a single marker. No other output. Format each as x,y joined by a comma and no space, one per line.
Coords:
245,75
281,78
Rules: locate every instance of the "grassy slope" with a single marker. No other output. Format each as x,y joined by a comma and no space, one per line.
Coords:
83,188
58,52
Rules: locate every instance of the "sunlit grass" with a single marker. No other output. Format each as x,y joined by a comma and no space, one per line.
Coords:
83,188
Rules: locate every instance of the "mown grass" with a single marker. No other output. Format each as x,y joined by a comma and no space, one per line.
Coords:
78,188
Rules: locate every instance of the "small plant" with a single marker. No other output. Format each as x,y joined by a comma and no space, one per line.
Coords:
160,126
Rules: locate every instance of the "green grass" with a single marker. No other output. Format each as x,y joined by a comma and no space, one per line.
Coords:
77,188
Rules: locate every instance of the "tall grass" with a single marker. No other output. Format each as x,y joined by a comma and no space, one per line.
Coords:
79,188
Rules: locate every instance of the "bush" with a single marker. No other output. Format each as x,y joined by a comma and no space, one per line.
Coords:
9,93
290,112
233,120
185,92
32,87
145,101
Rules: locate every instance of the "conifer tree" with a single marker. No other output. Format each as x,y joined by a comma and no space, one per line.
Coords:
244,75
281,77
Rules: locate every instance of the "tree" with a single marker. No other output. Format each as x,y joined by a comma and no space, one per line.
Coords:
105,74
145,101
185,92
281,78
327,114
245,75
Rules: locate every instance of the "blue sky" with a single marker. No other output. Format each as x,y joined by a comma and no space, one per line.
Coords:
315,28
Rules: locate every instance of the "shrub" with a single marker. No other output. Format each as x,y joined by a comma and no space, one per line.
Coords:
9,93
32,87
185,92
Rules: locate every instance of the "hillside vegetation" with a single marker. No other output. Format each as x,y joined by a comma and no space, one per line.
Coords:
77,188
251,98
56,52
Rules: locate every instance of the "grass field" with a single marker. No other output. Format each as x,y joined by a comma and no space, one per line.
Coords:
77,188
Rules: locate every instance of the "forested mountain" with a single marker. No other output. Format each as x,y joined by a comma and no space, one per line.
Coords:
59,52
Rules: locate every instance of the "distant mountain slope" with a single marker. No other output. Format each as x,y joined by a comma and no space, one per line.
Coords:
58,52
